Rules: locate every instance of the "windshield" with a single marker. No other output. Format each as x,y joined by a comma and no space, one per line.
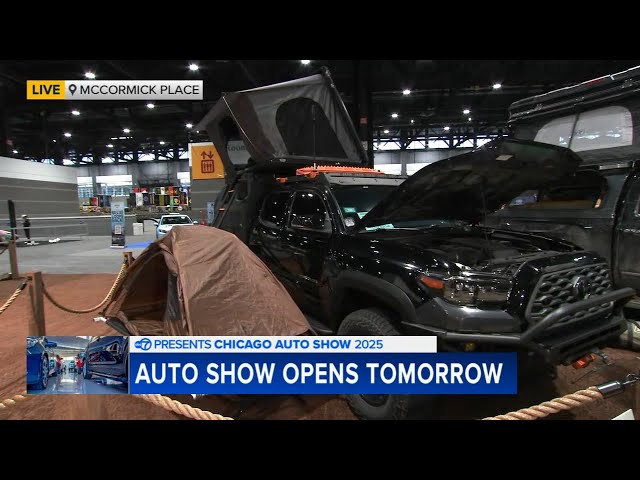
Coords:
177,220
355,201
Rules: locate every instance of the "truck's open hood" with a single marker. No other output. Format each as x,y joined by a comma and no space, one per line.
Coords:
302,121
468,186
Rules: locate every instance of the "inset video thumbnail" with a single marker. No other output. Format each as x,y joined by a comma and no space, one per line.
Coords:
77,365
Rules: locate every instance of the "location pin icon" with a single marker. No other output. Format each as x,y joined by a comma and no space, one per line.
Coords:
72,88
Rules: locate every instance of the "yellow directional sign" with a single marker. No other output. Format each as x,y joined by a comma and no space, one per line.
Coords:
205,162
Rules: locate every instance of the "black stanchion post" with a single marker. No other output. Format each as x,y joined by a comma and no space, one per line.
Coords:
12,218
11,246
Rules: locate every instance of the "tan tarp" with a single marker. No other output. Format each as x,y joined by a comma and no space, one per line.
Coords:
200,280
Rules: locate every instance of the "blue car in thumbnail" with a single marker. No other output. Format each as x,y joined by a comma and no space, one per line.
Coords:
107,357
39,366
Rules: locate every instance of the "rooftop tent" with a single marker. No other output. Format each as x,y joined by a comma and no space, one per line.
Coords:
599,119
301,122
202,281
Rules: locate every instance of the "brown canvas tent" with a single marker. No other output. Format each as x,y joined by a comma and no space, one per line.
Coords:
200,280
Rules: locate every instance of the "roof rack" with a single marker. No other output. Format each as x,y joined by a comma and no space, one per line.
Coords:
313,171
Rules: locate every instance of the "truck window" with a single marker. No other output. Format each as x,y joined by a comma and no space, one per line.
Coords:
585,191
308,212
606,127
274,209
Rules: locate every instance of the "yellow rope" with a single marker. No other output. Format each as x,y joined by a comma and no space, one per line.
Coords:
12,298
182,408
564,403
159,400
93,309
13,400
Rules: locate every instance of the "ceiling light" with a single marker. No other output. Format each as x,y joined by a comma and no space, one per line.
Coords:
497,86
406,91
305,62
446,129
126,130
412,120
54,140
89,75
15,151
394,115
75,112
150,105
189,125
386,131
110,145
161,142
193,67
67,134
469,118
466,111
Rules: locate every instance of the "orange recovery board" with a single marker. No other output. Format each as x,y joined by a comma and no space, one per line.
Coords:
313,171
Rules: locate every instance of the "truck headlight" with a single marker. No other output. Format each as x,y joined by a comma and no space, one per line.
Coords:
471,290
31,342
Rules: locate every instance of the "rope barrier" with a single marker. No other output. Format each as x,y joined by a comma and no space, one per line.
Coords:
159,400
121,273
15,295
13,400
564,403
182,408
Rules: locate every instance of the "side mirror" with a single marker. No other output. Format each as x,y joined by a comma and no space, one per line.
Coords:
155,223
195,222
51,344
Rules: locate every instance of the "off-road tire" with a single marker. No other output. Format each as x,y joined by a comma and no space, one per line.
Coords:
85,372
374,322
43,380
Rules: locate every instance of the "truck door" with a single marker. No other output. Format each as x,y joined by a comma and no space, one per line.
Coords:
305,242
627,247
265,240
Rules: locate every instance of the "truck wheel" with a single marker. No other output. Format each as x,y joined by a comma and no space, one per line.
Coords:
43,380
373,322
85,372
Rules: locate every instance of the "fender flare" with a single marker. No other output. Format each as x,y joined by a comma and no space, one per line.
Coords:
388,294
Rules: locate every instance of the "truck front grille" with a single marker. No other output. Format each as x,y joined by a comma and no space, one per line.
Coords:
570,285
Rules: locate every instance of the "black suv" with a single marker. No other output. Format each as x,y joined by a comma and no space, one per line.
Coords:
364,253
108,357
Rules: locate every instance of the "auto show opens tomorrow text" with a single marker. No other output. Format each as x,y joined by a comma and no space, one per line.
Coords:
294,365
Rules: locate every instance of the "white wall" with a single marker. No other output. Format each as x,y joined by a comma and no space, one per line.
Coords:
25,170
415,156
401,162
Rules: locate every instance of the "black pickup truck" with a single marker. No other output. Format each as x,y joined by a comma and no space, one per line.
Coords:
363,253
598,208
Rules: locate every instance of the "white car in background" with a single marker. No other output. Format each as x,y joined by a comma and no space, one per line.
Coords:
167,222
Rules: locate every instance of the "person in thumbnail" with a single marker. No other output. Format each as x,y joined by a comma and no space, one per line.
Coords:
79,364
58,364
26,225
